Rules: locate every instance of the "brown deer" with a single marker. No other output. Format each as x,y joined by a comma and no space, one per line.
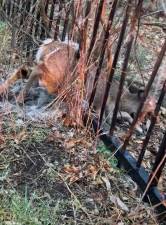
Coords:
129,101
55,62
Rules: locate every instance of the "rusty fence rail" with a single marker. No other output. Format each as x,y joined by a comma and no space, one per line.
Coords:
57,20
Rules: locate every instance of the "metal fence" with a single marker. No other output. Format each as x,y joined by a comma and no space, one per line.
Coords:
32,24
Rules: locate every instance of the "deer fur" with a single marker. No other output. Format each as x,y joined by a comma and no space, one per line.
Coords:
129,101
54,63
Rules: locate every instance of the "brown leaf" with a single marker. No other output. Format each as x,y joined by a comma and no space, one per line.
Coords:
93,170
74,173
71,169
70,143
74,179
20,137
69,121
54,136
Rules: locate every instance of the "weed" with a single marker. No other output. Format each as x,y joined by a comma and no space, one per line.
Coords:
4,40
2,26
108,155
143,58
31,210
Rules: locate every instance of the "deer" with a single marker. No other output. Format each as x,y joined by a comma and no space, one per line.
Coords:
54,65
129,102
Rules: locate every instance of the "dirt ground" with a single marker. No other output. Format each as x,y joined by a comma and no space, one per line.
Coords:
56,175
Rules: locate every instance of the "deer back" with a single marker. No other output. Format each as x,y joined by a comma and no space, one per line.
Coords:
56,61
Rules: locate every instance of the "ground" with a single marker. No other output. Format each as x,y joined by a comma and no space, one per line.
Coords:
58,176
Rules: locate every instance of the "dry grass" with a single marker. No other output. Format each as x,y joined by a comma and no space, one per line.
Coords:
5,43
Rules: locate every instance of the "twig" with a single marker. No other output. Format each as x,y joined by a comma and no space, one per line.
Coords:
152,13
157,24
75,198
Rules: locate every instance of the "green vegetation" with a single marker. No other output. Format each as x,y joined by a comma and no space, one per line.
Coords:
2,26
108,155
17,209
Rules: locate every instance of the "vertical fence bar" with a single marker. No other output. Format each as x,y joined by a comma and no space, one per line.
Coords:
95,27
134,20
121,84
115,60
12,8
4,5
58,20
31,54
16,9
24,8
11,15
83,31
26,17
146,92
8,7
37,22
32,11
103,48
51,17
66,21
13,30
2,9
23,12
153,122
44,30
73,22
1,3
159,163
88,8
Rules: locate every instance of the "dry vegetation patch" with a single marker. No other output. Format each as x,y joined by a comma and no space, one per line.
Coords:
56,176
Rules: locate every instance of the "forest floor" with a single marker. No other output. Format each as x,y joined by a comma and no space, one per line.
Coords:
53,174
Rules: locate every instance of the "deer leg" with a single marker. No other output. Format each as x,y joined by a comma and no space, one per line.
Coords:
20,73
126,116
33,77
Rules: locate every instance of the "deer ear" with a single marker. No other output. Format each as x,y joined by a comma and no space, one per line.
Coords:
140,93
77,54
133,89
24,73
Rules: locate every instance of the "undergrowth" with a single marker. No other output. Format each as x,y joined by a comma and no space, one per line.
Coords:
25,210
